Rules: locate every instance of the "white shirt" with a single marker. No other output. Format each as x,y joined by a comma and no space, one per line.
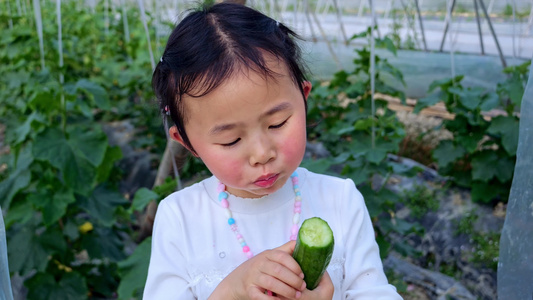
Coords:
193,247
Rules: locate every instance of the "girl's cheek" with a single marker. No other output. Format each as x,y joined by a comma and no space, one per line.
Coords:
293,148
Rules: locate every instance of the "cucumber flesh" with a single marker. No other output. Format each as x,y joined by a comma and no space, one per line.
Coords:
314,248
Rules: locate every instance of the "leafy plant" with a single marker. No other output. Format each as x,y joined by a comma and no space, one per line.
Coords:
67,224
420,200
341,117
482,154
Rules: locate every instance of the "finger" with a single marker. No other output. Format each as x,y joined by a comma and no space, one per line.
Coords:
324,290
278,287
292,282
259,294
281,256
287,247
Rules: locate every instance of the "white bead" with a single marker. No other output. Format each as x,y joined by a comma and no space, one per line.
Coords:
228,213
298,198
241,240
296,218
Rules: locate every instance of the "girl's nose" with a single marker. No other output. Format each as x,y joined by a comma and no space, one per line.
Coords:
262,152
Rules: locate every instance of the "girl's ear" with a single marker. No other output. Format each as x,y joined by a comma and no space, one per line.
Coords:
175,135
307,88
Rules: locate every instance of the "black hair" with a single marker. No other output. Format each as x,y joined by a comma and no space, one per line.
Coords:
212,43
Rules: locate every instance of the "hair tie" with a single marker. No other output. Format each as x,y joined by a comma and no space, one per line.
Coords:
161,59
167,111
277,23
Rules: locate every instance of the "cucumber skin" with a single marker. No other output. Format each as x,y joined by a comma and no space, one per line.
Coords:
312,260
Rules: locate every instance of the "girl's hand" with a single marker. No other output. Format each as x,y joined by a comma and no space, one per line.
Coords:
272,270
323,291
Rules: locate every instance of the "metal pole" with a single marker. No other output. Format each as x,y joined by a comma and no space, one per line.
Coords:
421,25
341,24
449,17
361,8
372,71
514,28
306,10
493,33
479,28
374,19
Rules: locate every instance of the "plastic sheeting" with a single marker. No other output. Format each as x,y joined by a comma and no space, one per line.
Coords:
5,282
515,266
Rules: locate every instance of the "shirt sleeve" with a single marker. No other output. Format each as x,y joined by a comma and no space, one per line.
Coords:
364,276
167,276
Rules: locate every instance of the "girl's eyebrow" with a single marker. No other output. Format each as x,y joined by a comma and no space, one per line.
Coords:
277,108
223,127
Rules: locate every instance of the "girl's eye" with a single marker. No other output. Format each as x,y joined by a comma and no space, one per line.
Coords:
232,143
279,125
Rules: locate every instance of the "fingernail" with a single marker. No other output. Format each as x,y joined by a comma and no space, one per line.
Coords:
298,294
303,286
302,275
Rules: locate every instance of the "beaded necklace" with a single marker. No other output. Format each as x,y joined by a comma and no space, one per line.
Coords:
223,199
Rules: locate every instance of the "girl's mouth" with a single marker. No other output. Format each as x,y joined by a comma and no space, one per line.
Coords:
267,180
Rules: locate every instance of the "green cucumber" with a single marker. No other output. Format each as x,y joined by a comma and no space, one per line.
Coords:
314,248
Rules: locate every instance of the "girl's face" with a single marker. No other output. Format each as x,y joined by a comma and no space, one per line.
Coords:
250,131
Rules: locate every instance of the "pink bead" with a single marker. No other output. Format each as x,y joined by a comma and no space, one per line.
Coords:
294,237
234,227
249,254
246,249
294,229
297,209
298,204
295,180
224,203
238,236
221,187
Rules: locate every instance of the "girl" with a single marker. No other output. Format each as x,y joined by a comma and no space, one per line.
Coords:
232,82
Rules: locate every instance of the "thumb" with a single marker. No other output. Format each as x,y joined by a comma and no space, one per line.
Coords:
287,247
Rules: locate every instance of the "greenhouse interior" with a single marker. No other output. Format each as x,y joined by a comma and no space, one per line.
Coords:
426,105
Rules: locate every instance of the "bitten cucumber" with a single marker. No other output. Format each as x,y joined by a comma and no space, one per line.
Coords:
314,248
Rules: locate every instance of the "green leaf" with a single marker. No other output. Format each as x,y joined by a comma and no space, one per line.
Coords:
134,270
112,155
430,100
505,167
71,230
483,165
446,153
362,145
92,142
386,43
490,101
320,165
469,140
22,132
484,192
18,179
508,129
20,212
71,286
52,146
469,98
445,83
384,246
103,243
26,252
101,205
53,204
97,93
516,89
142,197
45,102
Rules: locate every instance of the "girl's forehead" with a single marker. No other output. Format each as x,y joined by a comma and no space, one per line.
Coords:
246,90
